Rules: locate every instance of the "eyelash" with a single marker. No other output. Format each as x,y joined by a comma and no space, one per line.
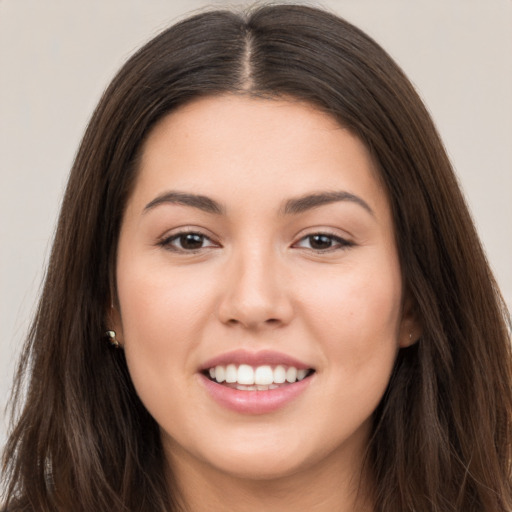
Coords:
337,243
167,242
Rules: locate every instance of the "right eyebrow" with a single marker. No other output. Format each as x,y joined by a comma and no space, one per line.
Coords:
310,201
203,203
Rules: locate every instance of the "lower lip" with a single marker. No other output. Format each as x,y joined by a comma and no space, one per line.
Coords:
255,402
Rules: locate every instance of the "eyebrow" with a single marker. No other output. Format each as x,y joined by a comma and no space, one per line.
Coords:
203,203
291,207
310,201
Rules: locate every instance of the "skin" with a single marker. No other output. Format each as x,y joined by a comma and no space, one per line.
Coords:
258,282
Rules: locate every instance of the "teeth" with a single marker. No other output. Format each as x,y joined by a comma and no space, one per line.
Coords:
291,374
246,388
220,373
279,374
231,374
241,387
301,374
260,378
245,375
263,375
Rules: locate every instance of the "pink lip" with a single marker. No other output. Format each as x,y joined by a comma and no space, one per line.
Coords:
254,402
254,359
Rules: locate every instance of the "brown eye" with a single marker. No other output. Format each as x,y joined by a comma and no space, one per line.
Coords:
187,242
320,242
323,242
191,241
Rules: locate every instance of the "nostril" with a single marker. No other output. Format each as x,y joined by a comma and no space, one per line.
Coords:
270,321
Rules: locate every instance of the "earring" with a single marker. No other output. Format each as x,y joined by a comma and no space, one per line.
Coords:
111,335
413,341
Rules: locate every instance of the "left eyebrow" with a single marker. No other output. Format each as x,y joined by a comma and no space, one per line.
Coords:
310,201
203,203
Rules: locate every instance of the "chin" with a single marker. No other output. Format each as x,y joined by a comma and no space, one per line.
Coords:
266,457
260,467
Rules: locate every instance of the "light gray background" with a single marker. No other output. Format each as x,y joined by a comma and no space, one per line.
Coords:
56,57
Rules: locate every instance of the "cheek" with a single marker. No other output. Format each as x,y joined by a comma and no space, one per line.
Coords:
166,304
163,314
356,315
355,319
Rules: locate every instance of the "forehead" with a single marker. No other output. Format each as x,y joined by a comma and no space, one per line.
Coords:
264,147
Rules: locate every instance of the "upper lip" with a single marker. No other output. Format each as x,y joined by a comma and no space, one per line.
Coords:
260,358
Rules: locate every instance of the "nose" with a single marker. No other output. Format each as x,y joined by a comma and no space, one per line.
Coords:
256,292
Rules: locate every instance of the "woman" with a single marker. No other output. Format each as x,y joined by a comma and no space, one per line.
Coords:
265,292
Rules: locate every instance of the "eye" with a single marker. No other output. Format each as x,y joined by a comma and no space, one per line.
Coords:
322,242
187,242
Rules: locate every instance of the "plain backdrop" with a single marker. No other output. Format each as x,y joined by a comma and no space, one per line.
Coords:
56,57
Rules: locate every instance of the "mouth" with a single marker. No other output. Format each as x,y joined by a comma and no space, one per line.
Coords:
244,377
256,383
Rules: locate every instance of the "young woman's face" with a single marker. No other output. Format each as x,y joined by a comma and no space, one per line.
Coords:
258,247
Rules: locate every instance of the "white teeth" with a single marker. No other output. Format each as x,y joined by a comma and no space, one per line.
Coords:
301,374
241,387
245,374
260,378
279,374
263,375
291,374
220,374
231,373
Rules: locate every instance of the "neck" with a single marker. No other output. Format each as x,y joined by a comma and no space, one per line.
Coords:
319,488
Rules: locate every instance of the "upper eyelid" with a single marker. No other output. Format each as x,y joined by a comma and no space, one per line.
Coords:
327,234
177,232
168,238
182,233
185,230
347,237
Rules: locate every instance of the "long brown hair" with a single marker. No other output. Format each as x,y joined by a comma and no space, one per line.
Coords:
441,441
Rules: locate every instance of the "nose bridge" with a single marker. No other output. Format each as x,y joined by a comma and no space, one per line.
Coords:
255,294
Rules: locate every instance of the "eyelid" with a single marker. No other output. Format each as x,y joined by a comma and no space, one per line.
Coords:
342,242
166,240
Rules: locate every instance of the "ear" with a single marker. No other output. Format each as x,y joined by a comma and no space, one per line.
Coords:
114,323
410,324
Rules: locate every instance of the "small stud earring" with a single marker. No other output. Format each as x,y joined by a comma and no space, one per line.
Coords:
111,335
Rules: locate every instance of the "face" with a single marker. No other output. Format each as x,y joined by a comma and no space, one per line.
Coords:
260,294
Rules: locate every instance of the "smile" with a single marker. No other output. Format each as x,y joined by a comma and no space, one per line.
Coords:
260,378
255,383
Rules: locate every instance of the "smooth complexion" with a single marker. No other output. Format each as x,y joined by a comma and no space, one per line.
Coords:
260,226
